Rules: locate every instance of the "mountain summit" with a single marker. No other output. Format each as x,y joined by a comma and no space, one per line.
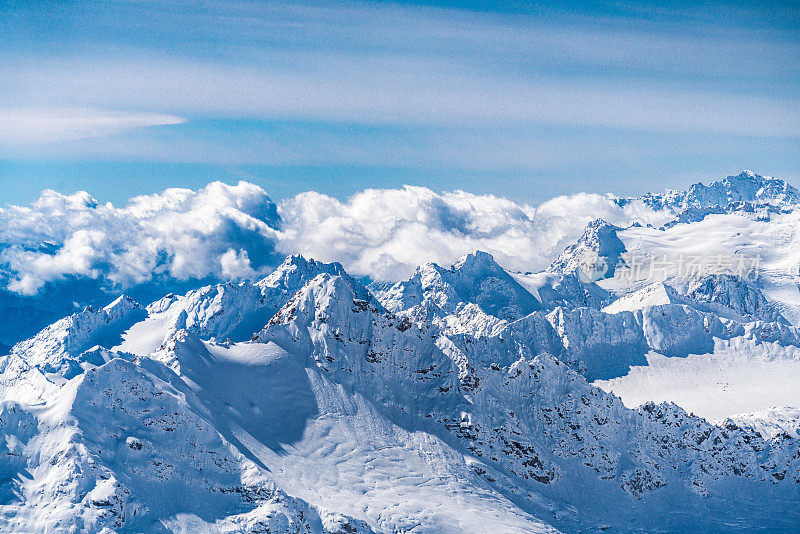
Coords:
474,278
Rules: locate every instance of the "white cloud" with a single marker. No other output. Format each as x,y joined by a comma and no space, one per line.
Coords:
78,256
387,233
21,126
236,265
236,232
226,231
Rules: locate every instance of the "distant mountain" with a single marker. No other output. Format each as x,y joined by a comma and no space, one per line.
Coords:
746,188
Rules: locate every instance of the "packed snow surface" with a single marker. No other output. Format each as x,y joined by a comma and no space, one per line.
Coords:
739,377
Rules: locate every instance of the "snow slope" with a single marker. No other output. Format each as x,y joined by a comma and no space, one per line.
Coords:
772,422
718,240
119,447
723,376
739,376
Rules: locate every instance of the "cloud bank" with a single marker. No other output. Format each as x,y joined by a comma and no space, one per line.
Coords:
221,230
233,232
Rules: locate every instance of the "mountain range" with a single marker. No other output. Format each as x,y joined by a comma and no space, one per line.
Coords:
646,380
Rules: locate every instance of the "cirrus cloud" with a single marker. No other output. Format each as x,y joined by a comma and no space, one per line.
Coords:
34,126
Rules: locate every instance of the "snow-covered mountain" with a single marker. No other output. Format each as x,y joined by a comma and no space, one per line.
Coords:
467,398
742,191
227,311
595,255
475,278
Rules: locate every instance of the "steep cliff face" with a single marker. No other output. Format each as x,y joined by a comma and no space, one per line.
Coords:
595,255
363,346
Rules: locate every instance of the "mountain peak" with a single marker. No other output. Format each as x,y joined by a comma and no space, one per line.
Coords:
328,291
746,187
475,277
594,255
122,304
296,271
57,348
474,259
731,192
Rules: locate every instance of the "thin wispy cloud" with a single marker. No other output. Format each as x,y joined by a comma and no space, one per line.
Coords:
400,85
40,126
400,91
401,65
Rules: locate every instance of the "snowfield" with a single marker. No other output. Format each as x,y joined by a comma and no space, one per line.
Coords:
739,377
468,398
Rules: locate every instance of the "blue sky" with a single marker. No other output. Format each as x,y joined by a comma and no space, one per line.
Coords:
525,101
